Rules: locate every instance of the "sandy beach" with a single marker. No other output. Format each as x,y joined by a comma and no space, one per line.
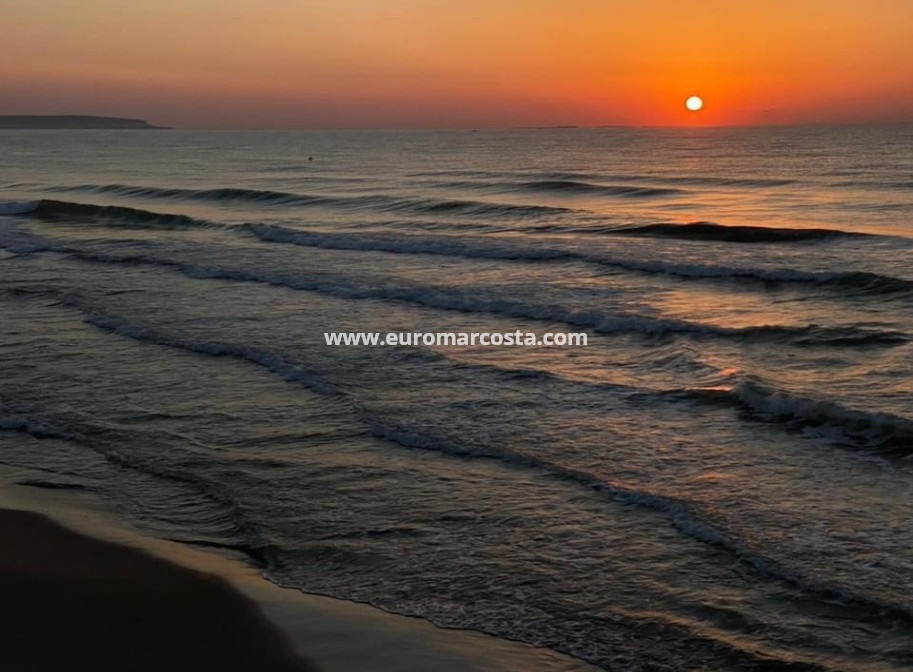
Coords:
80,586
71,599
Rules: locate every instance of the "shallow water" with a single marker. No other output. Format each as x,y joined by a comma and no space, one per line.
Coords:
721,479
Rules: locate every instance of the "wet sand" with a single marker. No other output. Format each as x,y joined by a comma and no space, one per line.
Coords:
69,599
64,550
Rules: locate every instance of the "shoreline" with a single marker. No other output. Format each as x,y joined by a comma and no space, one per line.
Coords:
333,635
70,598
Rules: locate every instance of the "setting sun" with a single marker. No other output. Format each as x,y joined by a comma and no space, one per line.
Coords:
694,103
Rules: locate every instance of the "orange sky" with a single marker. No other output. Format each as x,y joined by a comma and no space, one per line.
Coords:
459,63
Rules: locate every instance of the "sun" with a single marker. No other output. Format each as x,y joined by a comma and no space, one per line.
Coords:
694,103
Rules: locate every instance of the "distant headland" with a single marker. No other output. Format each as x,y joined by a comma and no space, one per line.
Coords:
73,121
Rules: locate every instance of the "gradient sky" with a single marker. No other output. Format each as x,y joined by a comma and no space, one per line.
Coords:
466,63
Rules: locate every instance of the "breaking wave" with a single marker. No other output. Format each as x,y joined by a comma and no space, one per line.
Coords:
493,248
374,202
882,431
734,234
470,300
118,216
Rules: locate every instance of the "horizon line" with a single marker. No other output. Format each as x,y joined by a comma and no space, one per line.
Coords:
154,126
459,127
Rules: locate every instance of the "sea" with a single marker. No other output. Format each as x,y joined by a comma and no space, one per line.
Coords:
721,479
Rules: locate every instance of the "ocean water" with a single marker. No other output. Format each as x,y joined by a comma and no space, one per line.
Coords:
720,480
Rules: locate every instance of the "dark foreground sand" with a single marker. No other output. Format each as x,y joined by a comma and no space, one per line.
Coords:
134,602
70,601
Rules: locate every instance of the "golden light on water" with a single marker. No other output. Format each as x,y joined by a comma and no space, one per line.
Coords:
694,103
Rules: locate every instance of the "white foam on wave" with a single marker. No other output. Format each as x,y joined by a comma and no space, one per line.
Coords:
871,426
271,361
494,248
445,298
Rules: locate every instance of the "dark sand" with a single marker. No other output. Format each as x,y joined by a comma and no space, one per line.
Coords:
70,602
